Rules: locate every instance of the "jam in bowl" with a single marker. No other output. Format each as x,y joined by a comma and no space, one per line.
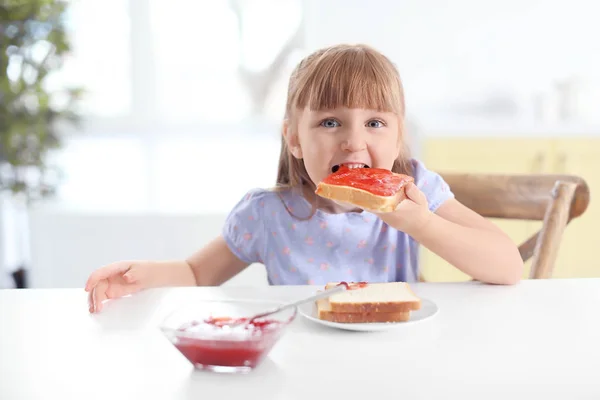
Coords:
203,334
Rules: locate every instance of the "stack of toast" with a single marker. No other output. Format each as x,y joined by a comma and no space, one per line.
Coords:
369,303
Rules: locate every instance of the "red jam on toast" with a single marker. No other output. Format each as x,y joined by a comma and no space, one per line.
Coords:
378,181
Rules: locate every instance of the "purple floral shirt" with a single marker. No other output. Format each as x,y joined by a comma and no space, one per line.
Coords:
355,246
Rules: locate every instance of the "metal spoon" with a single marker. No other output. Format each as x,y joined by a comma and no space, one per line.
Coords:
320,295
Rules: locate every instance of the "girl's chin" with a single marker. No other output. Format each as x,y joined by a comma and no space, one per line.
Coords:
337,207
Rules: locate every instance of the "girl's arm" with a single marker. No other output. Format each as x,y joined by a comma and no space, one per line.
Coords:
210,266
241,242
214,264
471,243
460,236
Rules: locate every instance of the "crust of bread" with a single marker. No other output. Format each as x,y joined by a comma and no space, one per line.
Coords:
358,318
375,307
326,314
360,198
359,307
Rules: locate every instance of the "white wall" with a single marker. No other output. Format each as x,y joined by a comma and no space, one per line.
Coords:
69,246
174,173
458,53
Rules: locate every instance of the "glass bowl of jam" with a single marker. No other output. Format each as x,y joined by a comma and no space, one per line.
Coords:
204,333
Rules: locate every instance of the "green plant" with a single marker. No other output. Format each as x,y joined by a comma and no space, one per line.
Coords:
33,45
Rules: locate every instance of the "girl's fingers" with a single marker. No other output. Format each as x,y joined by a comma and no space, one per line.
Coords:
106,290
100,294
91,301
115,291
133,274
106,272
112,281
414,194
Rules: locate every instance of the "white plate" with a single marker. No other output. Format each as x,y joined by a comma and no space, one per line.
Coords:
428,310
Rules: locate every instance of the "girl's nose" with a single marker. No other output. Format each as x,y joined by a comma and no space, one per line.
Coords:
354,141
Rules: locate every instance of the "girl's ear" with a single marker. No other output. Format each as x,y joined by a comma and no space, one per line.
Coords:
291,139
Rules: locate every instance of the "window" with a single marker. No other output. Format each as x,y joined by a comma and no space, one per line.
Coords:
100,59
196,50
167,107
104,174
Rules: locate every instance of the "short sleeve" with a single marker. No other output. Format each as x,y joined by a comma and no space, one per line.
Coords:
244,229
434,187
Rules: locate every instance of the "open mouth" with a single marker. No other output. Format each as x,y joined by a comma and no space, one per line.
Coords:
336,167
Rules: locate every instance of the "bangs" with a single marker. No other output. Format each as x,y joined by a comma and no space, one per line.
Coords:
352,78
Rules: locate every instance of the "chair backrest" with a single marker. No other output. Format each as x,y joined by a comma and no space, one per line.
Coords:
553,199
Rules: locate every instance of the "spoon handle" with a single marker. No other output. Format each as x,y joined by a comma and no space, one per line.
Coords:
320,295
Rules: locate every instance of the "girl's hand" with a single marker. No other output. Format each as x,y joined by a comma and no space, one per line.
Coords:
116,280
412,214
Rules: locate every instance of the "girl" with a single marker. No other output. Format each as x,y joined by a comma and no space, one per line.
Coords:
345,105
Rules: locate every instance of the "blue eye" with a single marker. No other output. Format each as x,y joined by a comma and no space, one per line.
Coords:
375,124
329,123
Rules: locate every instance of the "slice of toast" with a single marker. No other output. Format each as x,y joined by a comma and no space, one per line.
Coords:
371,189
325,313
389,297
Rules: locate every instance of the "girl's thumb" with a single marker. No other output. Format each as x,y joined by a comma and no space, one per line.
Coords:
132,275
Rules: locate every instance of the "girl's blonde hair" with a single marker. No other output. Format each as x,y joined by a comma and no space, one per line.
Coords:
352,76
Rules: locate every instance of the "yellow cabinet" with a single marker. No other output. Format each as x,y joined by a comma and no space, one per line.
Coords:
527,156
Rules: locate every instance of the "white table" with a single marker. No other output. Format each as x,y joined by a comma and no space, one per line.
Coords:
539,339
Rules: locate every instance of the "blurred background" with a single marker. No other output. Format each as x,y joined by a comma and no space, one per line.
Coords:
131,127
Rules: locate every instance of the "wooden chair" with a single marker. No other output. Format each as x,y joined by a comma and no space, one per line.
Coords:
553,199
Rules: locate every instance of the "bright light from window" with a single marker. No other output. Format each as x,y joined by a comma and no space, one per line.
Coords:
196,46
100,59
104,173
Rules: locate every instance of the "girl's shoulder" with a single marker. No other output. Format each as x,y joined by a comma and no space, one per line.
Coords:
256,197
247,224
269,196
268,202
